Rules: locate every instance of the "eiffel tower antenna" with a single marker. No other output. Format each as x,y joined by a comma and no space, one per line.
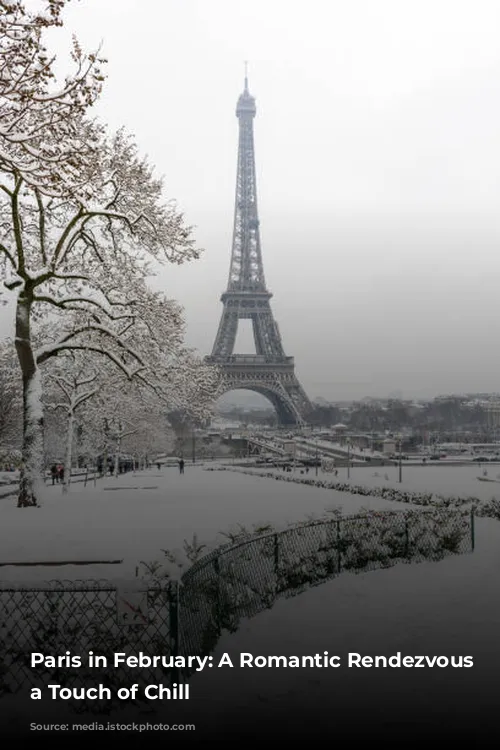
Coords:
268,372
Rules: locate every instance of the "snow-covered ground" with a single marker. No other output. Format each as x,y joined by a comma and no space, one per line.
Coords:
8,477
450,607
440,479
135,516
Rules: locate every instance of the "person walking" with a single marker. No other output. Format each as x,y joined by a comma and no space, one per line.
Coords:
54,473
181,466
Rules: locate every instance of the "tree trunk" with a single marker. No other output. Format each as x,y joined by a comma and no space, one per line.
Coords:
69,452
117,457
32,465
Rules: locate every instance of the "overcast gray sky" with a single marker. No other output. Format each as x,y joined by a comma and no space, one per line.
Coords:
378,160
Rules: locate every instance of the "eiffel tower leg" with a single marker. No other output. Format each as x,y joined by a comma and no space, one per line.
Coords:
266,335
291,406
226,335
286,416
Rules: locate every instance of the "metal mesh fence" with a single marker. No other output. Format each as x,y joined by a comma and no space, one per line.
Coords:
78,618
240,580
234,581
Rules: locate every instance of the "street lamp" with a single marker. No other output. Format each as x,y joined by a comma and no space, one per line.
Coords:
400,459
348,458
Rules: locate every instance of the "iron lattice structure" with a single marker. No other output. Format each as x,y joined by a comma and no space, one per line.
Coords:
269,371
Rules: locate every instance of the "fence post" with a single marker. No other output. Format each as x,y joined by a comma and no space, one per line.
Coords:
472,529
217,593
339,552
276,554
173,616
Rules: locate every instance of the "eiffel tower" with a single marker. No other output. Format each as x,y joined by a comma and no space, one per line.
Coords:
268,372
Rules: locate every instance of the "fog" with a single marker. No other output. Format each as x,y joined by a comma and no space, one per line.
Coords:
378,163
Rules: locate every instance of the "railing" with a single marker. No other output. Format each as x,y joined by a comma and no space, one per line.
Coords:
251,359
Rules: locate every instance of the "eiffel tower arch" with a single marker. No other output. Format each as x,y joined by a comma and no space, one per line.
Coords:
269,371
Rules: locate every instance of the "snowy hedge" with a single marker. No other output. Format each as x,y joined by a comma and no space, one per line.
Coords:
484,508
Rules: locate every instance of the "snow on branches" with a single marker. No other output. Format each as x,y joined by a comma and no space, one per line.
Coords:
140,356
137,334
123,380
83,224
68,252
42,133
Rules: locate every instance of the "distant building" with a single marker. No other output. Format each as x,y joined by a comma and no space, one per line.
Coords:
362,441
493,412
389,446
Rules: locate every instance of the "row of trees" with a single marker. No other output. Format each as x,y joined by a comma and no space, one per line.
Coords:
453,413
443,414
91,407
83,226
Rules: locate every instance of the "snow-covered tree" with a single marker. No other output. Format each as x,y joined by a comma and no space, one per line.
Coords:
54,432
43,136
72,379
152,438
82,220
119,389
131,415
11,415
121,412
